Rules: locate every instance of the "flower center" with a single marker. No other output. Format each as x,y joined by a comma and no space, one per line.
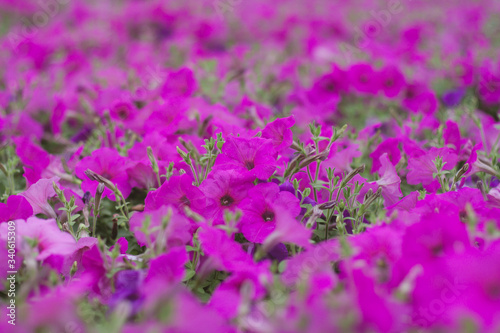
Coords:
249,165
185,201
329,86
226,200
268,216
106,175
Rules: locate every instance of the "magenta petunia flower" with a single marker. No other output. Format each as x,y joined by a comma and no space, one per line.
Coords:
109,164
178,232
380,247
311,261
407,203
420,99
251,157
389,181
391,148
392,81
363,78
452,137
433,237
167,268
224,190
53,247
38,195
288,230
225,253
227,298
279,133
328,87
374,305
141,175
35,160
177,191
260,208
179,84
422,168
122,110
17,207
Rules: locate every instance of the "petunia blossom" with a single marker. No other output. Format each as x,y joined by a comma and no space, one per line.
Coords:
38,195
279,133
252,157
224,190
110,165
260,208
422,168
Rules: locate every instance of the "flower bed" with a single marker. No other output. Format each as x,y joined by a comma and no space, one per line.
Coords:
250,166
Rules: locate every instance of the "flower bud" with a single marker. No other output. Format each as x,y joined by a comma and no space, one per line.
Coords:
184,155
98,197
341,206
351,175
327,205
152,159
59,192
94,176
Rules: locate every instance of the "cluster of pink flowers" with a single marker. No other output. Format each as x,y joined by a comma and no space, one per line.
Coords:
250,166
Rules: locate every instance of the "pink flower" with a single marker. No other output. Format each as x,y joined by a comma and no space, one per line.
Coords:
341,156
167,268
178,232
34,159
17,207
179,84
53,247
225,253
363,78
407,203
389,181
420,99
179,192
279,133
421,169
328,87
489,83
109,164
435,236
451,136
224,190
311,261
260,208
252,157
380,248
38,195
261,111
392,81
141,175
463,284
168,117
376,311
54,308
123,111
391,148
141,172
288,230
227,298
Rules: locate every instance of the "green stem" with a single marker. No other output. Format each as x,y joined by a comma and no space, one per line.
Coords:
94,224
157,172
194,173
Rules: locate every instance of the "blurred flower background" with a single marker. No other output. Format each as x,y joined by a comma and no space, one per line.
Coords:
250,166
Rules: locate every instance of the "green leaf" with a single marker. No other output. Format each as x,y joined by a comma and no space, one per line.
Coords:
189,274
